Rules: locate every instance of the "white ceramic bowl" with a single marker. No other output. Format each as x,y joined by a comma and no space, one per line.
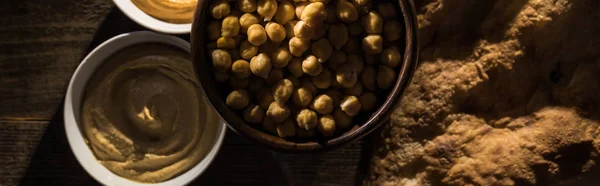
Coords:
140,17
72,110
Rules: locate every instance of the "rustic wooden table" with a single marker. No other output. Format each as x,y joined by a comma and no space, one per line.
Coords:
41,44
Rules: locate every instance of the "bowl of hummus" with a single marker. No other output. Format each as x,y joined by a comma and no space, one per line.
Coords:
167,16
135,113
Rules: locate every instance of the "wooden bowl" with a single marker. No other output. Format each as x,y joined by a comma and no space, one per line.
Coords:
236,122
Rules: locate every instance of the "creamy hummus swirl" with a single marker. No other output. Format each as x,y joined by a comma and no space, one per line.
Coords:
143,116
173,11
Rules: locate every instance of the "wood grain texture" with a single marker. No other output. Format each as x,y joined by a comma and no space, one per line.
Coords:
41,44
37,153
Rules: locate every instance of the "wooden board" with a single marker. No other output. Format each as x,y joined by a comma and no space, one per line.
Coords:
37,153
41,44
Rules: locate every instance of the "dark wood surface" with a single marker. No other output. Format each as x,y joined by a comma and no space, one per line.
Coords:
41,44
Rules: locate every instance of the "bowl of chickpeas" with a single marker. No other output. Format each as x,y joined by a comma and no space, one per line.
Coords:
304,75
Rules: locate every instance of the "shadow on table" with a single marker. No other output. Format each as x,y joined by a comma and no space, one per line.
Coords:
238,163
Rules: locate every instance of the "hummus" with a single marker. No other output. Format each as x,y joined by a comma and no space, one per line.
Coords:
173,11
143,115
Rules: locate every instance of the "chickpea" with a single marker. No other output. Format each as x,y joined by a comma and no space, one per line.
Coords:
327,125
371,59
257,35
239,83
298,46
331,15
221,60
254,114
322,50
334,82
352,46
247,6
247,50
356,90
372,44
287,129
307,119
387,11
226,43
356,62
372,23
261,66
335,95
281,57
269,125
311,66
362,2
302,97
346,75
265,98
338,35
337,59
230,27
255,84
391,57
285,12
323,104
300,6
278,113
289,29
323,80
221,76
350,105
309,85
238,99
295,67
247,20
346,11
314,13
267,9
321,1
342,120
368,100
241,69
368,77
282,91
274,77
303,30
275,31
214,30
385,77
320,31
392,30
220,9
355,29
306,133
362,9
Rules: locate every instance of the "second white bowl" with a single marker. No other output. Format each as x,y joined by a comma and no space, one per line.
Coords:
140,17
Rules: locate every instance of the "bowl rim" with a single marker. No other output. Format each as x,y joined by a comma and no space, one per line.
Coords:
73,102
142,18
239,126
